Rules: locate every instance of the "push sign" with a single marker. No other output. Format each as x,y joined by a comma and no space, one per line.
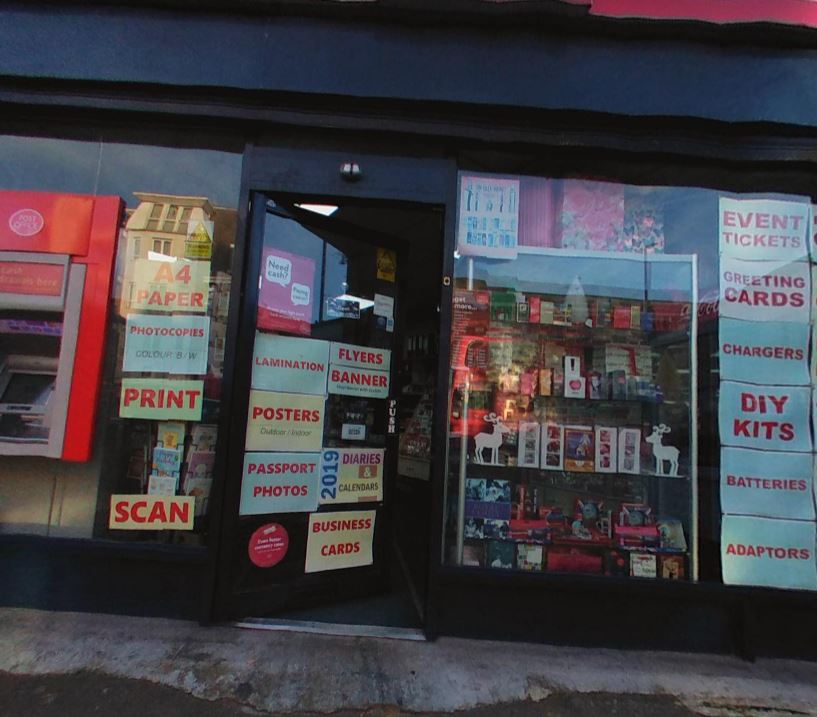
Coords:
392,424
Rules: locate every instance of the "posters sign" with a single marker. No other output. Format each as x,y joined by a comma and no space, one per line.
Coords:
767,417
179,285
488,217
764,352
285,297
288,363
159,398
268,545
166,344
351,475
339,540
279,483
151,512
769,484
351,381
284,422
360,356
768,552
763,229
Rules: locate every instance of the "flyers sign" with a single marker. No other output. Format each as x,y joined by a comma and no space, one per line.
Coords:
151,512
773,485
284,422
764,352
350,381
767,417
159,399
360,356
768,553
279,483
166,344
180,285
352,475
288,363
764,229
339,540
764,290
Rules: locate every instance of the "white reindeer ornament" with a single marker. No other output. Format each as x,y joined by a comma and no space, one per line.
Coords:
492,440
663,453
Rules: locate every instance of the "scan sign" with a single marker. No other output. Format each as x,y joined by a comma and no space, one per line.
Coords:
339,540
284,422
151,512
166,344
279,483
170,286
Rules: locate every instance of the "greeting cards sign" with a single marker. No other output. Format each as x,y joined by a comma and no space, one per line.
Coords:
339,540
764,290
178,285
352,475
488,217
284,422
285,297
768,553
279,483
166,344
159,399
764,229
764,352
769,484
767,417
289,363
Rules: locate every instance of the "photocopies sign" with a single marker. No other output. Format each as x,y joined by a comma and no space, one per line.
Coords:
166,344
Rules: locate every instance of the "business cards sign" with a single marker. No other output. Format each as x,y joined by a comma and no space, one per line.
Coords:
166,344
284,422
339,540
160,399
287,363
179,285
279,483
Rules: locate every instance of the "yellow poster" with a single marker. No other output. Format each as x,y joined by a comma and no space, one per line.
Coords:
284,422
339,540
151,512
386,264
351,475
178,285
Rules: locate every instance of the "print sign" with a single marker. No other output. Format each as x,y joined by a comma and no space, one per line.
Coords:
179,285
166,344
287,363
764,352
339,540
279,483
285,298
159,399
764,229
284,422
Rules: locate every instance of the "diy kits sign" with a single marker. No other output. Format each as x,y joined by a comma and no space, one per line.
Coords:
166,344
287,363
151,512
279,483
159,399
285,297
179,285
764,229
339,540
284,422
352,475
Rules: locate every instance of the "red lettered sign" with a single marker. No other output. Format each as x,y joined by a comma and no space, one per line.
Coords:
151,512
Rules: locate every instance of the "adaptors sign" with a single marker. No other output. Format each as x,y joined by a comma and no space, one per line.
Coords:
284,422
339,540
179,285
279,483
359,371
166,344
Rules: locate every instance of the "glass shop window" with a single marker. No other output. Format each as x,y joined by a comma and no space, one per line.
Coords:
631,382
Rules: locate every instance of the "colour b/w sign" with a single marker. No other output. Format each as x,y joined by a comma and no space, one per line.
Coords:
166,344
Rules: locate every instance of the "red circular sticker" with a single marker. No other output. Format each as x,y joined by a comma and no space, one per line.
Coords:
26,222
268,545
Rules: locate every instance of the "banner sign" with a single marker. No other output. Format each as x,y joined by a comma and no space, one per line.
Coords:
339,540
284,422
764,229
360,356
279,483
764,290
151,512
166,344
352,475
764,352
768,553
488,222
349,381
285,296
287,363
773,485
159,398
768,417
179,285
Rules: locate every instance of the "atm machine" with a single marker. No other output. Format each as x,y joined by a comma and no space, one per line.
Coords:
56,260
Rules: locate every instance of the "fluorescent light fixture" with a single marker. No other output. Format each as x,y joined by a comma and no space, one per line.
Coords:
326,210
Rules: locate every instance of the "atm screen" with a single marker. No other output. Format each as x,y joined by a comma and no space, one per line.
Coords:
29,389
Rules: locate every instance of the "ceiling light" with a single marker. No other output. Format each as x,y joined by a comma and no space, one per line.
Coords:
326,210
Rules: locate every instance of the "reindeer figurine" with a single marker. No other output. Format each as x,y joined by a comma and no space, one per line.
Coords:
492,440
663,453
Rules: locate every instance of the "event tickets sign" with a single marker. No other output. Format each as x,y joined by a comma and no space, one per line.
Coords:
287,363
768,553
764,352
284,422
166,344
351,381
767,417
764,229
360,356
180,285
159,399
151,512
339,540
764,290
352,475
279,483
285,298
769,484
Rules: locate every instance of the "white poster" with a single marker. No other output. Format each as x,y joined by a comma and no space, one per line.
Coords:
768,553
166,344
289,363
360,356
488,217
764,229
764,290
279,483
768,484
350,381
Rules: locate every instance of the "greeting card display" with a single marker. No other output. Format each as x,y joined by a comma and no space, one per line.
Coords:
579,450
606,449
629,450
553,447
529,439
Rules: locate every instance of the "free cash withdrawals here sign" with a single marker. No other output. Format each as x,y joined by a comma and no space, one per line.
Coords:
764,229
279,483
280,421
339,540
180,285
160,399
291,364
166,344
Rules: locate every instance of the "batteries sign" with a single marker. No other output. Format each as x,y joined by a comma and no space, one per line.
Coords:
166,344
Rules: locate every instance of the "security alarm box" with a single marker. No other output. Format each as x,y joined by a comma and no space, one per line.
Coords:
56,261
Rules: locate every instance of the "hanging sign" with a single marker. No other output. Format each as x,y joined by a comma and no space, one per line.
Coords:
285,296
360,356
339,540
158,399
488,217
350,381
764,229
764,290
768,417
352,475
768,553
151,512
166,344
268,545
386,264
287,363
768,484
179,285
279,483
764,352
284,422
199,241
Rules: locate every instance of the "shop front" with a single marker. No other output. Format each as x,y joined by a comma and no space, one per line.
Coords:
436,362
